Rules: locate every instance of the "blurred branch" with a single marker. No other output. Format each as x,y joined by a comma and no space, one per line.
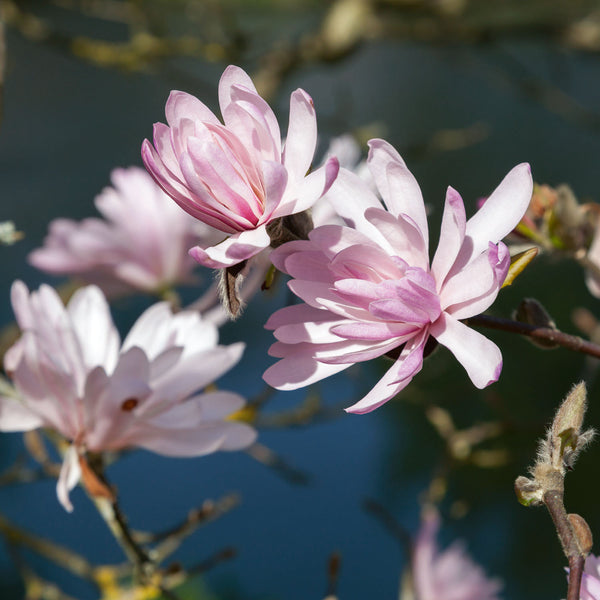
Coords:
273,461
171,539
67,559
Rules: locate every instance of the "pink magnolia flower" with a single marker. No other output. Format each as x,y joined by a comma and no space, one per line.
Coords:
142,244
369,289
447,575
235,176
72,375
592,274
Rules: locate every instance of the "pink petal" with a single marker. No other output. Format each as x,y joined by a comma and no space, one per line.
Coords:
297,313
15,416
398,376
452,235
307,191
280,255
93,325
223,178
331,239
309,265
480,357
396,184
299,368
251,119
275,178
350,197
474,289
309,331
301,136
500,213
233,75
181,105
233,250
403,237
201,208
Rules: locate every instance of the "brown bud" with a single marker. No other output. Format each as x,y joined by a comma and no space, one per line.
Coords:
229,284
532,312
582,531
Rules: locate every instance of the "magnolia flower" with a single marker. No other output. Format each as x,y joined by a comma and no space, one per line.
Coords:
235,176
447,575
142,244
348,153
592,273
72,375
590,581
369,289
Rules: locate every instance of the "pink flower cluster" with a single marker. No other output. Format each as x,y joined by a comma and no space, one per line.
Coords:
141,244
369,288
236,176
72,375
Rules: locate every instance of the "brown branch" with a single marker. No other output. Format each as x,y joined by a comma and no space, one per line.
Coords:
546,334
553,500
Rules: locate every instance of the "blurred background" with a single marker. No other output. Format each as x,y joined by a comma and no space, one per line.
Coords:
465,90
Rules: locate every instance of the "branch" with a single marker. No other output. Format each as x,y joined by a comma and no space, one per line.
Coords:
545,334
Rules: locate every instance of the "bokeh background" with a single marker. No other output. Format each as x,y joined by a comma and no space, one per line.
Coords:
465,89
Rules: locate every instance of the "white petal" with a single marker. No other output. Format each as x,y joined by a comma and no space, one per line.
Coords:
500,213
70,473
15,416
94,327
480,357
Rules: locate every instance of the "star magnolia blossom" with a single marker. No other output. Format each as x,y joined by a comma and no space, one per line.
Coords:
370,289
141,245
447,575
235,176
70,375
592,275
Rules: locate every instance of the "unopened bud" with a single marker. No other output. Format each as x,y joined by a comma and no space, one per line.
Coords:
529,492
569,418
582,532
532,312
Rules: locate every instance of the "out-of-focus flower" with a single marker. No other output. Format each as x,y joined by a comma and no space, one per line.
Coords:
72,375
142,244
447,575
236,177
9,234
592,272
369,290
590,582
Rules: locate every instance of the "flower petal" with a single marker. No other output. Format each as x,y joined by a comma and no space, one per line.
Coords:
301,136
15,416
233,250
396,184
69,476
452,235
500,213
398,376
480,357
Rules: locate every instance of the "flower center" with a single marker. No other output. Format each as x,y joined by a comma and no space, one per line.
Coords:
129,404
411,299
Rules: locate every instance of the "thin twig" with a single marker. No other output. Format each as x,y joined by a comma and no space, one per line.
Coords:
554,502
571,342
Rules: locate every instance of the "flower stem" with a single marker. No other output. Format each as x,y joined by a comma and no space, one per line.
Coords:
117,523
553,500
547,334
